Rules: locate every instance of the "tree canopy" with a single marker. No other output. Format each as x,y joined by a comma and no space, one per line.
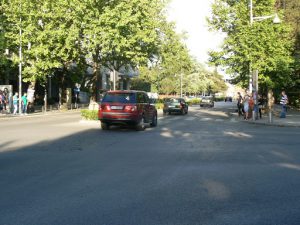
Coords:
63,38
261,46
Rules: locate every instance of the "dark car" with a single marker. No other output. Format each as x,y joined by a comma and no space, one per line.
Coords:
177,105
228,99
127,107
207,101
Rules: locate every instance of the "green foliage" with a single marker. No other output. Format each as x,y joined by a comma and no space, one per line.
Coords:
159,105
265,46
89,114
89,33
219,99
140,84
194,101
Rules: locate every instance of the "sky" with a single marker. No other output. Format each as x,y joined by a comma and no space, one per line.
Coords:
190,16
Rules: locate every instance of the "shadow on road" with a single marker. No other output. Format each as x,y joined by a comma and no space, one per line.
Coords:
159,176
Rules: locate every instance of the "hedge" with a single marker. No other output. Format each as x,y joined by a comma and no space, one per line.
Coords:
89,114
194,101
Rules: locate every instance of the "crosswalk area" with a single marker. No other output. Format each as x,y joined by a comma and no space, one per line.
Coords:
195,118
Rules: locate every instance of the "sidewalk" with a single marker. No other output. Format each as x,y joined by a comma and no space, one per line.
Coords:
6,115
292,119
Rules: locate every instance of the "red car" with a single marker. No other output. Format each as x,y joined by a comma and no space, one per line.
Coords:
127,107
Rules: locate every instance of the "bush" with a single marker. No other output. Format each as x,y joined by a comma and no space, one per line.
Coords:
194,101
89,114
159,105
220,99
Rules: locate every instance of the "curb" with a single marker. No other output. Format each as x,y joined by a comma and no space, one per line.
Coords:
40,114
272,124
265,123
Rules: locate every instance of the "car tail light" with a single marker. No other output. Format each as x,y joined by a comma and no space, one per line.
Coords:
104,107
130,108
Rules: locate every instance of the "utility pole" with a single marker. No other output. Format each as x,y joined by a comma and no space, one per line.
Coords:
20,61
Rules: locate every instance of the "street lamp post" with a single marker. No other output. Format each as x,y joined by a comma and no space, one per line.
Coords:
20,64
276,20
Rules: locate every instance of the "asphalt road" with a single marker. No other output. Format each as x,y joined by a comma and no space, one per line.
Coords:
201,168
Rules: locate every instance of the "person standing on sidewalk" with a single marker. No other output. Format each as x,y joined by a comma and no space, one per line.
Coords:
283,103
261,104
24,103
246,106
15,102
240,104
1,101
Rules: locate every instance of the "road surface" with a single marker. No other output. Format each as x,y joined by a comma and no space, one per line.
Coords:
201,168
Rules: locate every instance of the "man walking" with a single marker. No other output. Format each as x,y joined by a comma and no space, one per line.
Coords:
283,103
240,104
15,102
24,103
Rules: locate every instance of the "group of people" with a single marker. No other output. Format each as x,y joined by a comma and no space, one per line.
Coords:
24,103
247,104
4,103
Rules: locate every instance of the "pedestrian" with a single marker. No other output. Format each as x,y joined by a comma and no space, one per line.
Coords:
6,98
283,103
15,102
261,104
246,106
240,104
24,103
251,106
1,101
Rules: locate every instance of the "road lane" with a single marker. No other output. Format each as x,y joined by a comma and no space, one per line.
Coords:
185,171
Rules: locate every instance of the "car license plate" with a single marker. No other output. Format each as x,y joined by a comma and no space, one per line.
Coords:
116,107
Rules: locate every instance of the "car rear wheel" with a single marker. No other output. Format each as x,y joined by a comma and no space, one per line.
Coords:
154,121
104,126
141,125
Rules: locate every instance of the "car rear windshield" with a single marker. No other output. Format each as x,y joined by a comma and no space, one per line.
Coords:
175,100
119,98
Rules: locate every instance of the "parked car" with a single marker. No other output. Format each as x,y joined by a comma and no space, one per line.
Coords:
177,105
228,99
127,107
207,101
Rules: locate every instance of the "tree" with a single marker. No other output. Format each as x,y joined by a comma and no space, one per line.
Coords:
170,63
292,16
262,46
124,33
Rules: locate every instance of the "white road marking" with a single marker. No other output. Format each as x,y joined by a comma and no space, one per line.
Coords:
190,118
206,119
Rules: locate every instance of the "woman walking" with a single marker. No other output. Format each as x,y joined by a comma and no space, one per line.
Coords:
246,106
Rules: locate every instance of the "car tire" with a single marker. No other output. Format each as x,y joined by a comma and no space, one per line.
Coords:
169,113
154,121
140,126
104,126
164,112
